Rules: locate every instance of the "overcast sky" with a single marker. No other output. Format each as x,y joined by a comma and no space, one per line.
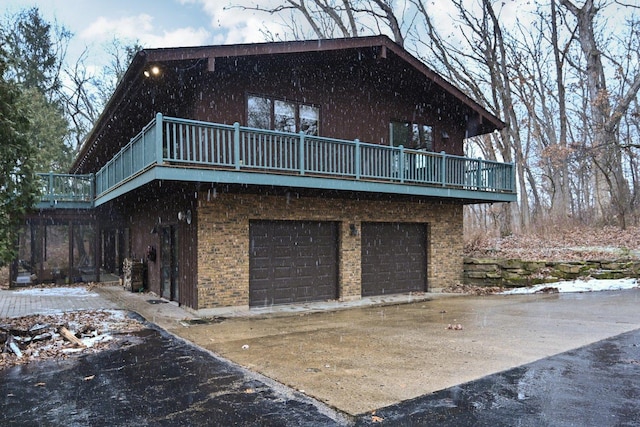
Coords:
154,23
171,23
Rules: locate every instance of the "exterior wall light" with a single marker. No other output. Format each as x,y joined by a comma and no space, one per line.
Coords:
353,230
185,216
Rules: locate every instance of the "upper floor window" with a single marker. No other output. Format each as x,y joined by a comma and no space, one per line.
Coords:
285,116
412,135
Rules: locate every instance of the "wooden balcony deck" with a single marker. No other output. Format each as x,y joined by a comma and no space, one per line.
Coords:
187,150
66,191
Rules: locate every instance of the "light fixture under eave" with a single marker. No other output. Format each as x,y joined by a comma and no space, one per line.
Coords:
153,71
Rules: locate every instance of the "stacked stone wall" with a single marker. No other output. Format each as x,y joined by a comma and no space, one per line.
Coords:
514,272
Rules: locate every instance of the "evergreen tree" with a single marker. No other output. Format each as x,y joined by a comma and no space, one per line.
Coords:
18,182
34,55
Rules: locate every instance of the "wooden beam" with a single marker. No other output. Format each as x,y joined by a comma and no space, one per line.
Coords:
70,337
383,52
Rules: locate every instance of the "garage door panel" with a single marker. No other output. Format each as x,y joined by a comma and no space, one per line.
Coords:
394,258
300,263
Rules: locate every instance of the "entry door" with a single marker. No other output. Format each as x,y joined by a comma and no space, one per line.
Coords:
169,266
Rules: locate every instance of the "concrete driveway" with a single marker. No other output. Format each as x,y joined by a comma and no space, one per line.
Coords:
361,359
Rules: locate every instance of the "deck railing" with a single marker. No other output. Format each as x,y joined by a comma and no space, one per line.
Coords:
58,188
136,156
181,142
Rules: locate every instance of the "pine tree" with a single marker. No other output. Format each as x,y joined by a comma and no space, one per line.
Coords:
18,182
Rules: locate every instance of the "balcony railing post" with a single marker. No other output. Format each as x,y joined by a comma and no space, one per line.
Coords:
479,174
512,178
357,158
443,169
301,164
158,141
401,163
50,189
236,145
92,188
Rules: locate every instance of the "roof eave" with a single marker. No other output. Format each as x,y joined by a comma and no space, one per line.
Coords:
146,56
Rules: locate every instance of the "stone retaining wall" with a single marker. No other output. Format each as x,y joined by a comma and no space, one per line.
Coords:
514,272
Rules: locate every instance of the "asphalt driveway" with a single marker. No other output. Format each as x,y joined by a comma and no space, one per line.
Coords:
595,385
402,363
154,380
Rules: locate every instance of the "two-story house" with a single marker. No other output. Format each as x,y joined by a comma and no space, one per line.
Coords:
273,173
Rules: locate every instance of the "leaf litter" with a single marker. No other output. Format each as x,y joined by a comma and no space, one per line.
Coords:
58,336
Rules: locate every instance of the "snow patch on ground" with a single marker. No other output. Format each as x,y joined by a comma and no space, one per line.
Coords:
58,292
590,285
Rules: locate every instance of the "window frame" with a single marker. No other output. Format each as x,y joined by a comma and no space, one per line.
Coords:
410,131
297,105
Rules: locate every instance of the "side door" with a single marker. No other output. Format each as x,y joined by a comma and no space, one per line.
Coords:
169,265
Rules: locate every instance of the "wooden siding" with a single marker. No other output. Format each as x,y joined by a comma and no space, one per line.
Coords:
144,212
357,100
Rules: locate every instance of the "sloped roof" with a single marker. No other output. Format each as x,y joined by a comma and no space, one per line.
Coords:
487,121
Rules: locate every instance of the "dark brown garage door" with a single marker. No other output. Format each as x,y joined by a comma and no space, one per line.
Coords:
394,258
292,261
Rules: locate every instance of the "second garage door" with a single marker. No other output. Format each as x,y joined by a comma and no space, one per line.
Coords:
394,258
292,261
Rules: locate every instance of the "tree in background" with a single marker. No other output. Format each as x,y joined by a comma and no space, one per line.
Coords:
86,94
564,75
18,182
35,55
48,132
335,18
612,81
35,51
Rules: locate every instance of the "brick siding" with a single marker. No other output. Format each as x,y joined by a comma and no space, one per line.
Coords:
223,239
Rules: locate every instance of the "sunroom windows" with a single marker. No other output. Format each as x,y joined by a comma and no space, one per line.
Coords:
282,115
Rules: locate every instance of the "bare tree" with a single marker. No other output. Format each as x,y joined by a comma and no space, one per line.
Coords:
87,93
606,109
480,66
336,18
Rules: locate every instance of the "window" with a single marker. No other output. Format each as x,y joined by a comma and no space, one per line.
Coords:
416,136
284,116
309,119
259,112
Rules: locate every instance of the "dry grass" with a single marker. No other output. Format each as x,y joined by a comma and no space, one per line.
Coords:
559,244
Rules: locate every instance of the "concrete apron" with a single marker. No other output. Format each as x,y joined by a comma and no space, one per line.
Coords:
364,358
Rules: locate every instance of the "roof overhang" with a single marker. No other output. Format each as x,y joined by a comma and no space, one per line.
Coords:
481,122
